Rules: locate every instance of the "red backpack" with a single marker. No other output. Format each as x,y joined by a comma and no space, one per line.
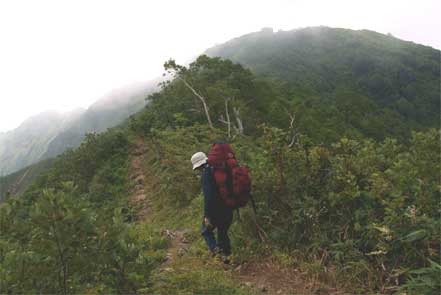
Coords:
233,181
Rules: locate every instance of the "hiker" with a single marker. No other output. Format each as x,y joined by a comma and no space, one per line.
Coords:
216,214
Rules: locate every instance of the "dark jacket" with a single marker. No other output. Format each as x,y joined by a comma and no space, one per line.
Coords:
214,207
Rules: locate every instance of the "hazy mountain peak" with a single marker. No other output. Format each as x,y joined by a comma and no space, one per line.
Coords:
50,133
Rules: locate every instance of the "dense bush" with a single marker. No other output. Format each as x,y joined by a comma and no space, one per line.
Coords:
356,203
69,233
362,206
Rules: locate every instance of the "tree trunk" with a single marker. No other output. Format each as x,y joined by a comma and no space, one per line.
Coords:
228,118
202,99
238,120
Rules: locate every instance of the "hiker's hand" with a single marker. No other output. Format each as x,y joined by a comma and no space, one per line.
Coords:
208,224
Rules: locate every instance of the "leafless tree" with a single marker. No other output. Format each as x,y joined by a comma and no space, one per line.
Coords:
294,133
239,127
201,98
227,115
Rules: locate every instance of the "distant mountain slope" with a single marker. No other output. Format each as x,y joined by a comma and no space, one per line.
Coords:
18,182
398,80
49,134
28,143
107,112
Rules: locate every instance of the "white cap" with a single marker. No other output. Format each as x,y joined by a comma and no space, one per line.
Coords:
198,160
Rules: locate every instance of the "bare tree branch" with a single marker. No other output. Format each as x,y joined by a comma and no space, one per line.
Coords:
227,121
239,120
294,134
293,118
228,117
198,111
293,140
202,99
222,120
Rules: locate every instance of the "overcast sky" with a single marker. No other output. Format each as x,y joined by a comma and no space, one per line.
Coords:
57,55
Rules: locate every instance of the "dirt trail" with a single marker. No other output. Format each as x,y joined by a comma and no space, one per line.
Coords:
269,277
138,198
178,245
140,202
265,277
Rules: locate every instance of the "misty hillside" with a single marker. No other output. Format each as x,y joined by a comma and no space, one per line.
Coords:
28,143
17,182
394,84
49,134
109,111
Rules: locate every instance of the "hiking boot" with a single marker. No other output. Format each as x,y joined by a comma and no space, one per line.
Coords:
215,252
224,258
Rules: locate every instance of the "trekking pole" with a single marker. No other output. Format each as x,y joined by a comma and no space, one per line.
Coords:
253,204
261,233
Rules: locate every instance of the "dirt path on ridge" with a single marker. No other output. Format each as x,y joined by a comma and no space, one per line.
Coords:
138,198
141,203
269,277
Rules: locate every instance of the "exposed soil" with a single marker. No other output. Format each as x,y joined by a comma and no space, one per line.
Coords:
138,198
268,277
178,245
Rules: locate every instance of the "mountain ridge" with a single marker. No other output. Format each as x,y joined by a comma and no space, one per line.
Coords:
50,133
314,85
335,209
399,80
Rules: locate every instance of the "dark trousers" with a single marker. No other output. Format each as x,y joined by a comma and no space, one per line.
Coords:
223,241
